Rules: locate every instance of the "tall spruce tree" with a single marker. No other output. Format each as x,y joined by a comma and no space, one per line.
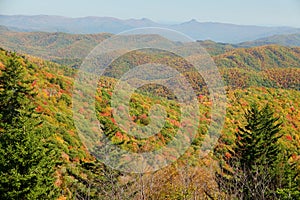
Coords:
249,172
26,165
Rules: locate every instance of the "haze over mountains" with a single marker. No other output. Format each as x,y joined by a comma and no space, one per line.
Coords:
219,32
284,40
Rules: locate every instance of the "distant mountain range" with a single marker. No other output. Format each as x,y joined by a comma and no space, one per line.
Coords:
284,40
219,32
70,49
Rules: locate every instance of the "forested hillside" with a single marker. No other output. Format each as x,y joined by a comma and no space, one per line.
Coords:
63,48
71,49
291,40
261,75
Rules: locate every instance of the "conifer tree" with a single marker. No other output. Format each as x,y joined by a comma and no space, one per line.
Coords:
26,165
248,173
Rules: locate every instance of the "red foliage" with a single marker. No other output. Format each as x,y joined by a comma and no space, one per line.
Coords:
106,114
113,120
201,96
119,135
48,75
289,137
34,83
2,67
174,122
39,109
294,156
227,155
81,110
292,108
143,116
239,138
133,118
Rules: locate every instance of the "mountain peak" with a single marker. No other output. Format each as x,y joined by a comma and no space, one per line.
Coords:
192,21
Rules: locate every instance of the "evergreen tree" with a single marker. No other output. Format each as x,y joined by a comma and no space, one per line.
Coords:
288,179
26,165
249,172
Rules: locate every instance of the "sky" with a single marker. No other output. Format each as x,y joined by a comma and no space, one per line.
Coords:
246,12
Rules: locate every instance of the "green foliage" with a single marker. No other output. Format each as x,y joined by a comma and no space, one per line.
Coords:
78,175
252,168
257,141
26,164
15,93
288,178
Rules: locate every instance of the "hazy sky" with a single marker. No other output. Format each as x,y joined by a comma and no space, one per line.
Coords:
256,12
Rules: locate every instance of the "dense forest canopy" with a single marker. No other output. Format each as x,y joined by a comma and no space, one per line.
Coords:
42,156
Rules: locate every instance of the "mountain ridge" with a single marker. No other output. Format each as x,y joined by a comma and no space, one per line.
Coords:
70,49
219,32
291,40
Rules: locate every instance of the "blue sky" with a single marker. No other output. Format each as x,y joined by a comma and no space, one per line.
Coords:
255,12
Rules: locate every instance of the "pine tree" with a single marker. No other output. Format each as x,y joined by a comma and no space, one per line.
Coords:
248,173
26,165
257,141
